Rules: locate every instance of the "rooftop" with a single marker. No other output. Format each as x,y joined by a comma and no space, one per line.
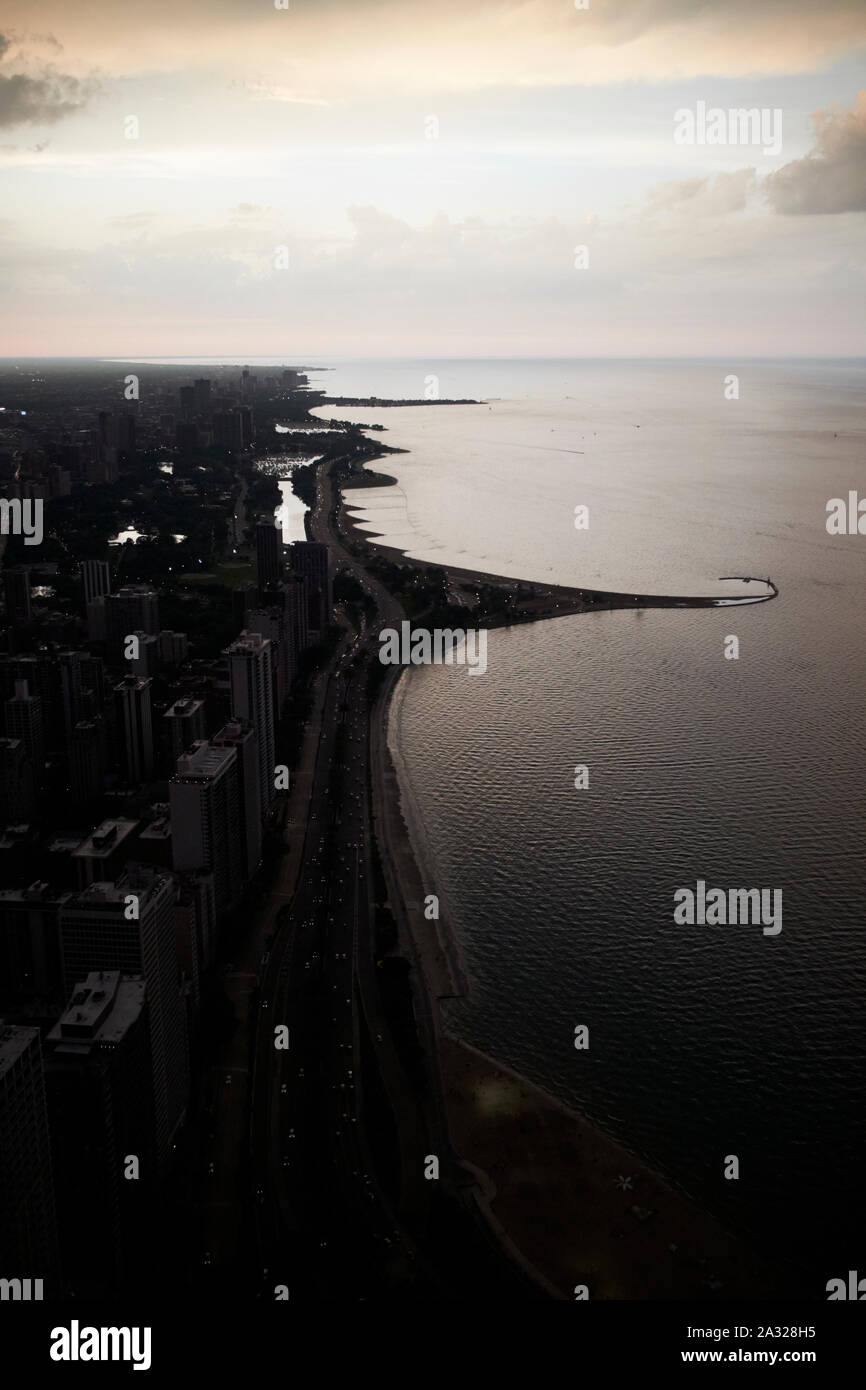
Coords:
14,1042
101,1010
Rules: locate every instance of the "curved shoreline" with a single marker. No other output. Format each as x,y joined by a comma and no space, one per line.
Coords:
627,1260
410,813
546,1176
569,598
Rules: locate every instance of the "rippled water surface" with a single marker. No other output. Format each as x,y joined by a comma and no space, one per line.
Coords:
705,1041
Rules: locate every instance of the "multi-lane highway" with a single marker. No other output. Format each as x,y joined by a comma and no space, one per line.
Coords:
336,1133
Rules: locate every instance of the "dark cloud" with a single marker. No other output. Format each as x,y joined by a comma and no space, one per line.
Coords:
832,177
42,99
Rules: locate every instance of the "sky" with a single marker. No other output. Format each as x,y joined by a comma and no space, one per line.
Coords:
461,178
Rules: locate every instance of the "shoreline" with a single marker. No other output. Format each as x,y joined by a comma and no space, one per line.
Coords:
407,808
571,598
582,1208
590,599
547,1181
545,1175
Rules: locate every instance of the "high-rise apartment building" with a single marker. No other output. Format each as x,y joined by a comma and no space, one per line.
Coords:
98,1070
205,818
28,1238
16,591
17,783
183,725
251,693
135,727
269,545
95,578
86,766
240,735
133,608
23,714
310,559
129,926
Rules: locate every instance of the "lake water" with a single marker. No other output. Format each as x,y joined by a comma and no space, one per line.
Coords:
704,1041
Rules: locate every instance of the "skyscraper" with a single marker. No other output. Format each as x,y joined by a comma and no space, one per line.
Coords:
240,735
205,812
294,595
268,554
183,725
147,661
102,854
251,687
97,619
16,591
310,559
98,1070
125,430
273,623
201,395
133,608
24,720
195,918
173,647
31,978
82,687
129,926
96,579
28,1241
135,727
17,784
40,673
228,430
85,760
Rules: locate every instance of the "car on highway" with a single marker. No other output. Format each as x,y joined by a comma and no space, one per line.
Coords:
228,1079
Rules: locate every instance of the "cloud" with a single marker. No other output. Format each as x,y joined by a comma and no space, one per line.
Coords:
439,285
132,221
257,90
728,192
337,48
832,177
41,99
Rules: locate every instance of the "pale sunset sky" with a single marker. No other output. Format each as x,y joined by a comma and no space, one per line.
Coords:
430,168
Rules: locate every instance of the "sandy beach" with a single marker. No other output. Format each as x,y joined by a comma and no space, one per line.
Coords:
579,1206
